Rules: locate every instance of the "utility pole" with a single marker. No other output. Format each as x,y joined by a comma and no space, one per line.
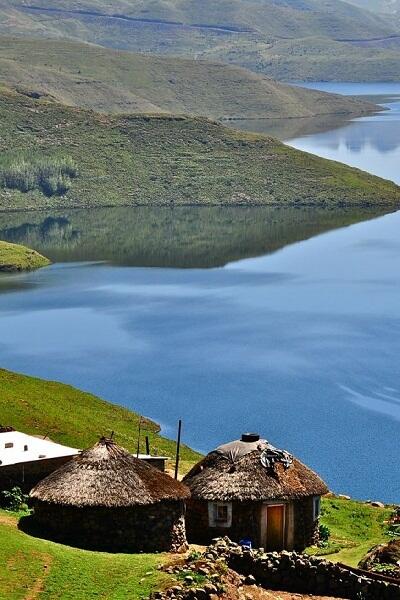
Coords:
178,447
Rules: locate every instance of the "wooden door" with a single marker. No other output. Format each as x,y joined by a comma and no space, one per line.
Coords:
275,527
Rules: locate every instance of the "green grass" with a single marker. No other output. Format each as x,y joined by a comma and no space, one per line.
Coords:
35,568
14,257
75,418
355,528
50,175
121,82
167,160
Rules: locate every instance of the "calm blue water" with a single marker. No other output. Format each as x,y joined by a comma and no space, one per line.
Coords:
301,345
371,143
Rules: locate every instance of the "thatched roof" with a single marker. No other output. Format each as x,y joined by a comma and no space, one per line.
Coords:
253,470
107,475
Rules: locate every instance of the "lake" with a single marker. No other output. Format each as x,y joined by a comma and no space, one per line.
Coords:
283,321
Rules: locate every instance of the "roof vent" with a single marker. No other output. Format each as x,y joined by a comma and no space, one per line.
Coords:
250,437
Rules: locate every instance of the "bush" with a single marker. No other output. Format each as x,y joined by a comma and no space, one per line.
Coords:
324,534
13,499
51,175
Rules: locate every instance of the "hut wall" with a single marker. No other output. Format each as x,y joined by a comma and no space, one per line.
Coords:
305,526
159,527
245,523
27,475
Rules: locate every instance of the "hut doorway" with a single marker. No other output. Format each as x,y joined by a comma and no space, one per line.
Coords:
273,526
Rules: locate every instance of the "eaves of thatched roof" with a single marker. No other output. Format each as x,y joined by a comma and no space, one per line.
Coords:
106,475
218,478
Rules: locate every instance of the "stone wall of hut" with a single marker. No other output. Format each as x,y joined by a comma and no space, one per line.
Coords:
245,523
305,526
156,528
27,475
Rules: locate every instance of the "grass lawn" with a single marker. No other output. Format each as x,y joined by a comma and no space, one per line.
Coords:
75,418
355,528
14,257
34,568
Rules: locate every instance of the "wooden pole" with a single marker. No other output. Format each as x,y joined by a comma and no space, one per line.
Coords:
178,447
147,445
138,439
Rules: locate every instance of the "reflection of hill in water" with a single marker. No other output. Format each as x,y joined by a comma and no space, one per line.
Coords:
285,129
161,237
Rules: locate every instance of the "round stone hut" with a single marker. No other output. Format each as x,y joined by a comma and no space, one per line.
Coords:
106,499
250,490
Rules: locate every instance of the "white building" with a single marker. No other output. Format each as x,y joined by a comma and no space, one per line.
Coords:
17,447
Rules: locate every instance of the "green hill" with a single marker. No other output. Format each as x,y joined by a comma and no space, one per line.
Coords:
249,33
92,159
75,418
110,81
14,257
297,18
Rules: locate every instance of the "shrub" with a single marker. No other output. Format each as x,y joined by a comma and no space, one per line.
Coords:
324,534
13,499
51,175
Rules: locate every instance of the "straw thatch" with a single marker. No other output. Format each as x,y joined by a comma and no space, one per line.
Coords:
106,475
240,476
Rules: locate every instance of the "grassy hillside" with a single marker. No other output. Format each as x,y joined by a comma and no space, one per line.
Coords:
249,33
332,18
314,59
38,568
165,160
75,418
122,82
14,257
355,528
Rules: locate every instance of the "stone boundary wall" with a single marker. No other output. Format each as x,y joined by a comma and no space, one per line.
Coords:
299,573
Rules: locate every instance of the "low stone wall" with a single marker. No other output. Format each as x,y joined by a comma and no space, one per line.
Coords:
299,573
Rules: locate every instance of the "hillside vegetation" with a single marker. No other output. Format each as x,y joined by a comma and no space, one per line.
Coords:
167,160
265,36
355,528
14,257
75,418
37,568
331,18
110,81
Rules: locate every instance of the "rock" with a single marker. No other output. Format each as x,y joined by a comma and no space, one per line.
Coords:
377,504
189,579
250,580
344,497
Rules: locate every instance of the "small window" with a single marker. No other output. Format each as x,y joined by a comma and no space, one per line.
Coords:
316,507
25,448
9,445
220,514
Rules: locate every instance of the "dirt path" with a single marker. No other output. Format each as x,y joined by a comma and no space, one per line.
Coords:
253,592
8,520
38,585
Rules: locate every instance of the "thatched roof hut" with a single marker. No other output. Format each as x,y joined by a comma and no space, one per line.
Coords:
107,498
239,483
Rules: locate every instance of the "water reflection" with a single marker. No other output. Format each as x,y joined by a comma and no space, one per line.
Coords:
163,237
371,143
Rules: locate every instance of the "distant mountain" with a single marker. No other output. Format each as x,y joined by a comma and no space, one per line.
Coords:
53,156
383,7
279,38
106,80
278,18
